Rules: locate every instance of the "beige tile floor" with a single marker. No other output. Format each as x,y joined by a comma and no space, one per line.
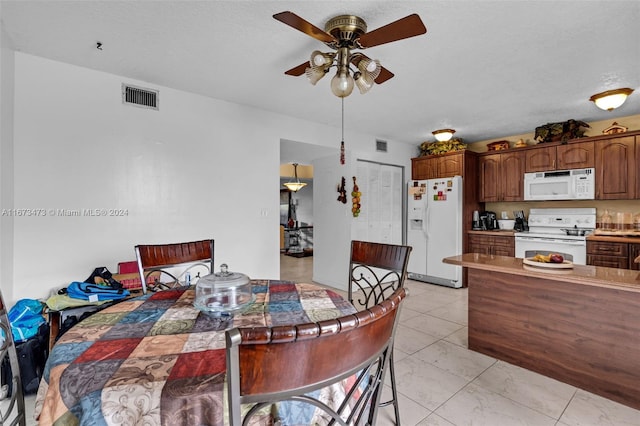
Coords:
442,383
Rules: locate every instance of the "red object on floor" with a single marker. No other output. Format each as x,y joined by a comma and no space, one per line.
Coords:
128,267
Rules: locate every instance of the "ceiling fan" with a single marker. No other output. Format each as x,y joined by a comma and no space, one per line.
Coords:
344,34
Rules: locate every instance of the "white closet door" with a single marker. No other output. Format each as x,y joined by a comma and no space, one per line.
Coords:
381,211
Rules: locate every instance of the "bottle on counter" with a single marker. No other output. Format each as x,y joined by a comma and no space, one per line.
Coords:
605,221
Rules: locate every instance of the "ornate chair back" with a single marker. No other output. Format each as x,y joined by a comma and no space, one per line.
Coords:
12,411
375,271
268,365
165,259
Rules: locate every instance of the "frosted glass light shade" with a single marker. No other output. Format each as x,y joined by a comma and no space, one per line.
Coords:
370,67
314,74
363,82
443,135
295,186
611,99
320,59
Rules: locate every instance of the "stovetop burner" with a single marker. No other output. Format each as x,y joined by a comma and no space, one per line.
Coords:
575,231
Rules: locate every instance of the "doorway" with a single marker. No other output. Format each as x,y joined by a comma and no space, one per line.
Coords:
299,207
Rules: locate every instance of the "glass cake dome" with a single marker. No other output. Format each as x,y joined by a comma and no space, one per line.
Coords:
223,292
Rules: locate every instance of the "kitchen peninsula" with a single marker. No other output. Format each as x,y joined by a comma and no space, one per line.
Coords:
579,325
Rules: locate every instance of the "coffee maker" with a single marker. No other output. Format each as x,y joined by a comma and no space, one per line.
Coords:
476,221
488,221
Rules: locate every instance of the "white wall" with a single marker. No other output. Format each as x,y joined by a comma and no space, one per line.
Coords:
6,164
198,168
334,223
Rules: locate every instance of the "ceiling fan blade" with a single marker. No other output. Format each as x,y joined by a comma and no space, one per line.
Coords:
409,26
306,27
385,75
299,70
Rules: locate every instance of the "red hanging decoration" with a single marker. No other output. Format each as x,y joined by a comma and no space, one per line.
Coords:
342,191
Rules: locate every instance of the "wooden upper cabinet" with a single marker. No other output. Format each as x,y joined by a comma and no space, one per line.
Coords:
423,168
501,177
438,166
575,155
540,159
449,166
512,176
489,168
615,163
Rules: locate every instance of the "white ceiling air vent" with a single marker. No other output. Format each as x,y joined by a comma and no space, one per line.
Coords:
381,146
138,96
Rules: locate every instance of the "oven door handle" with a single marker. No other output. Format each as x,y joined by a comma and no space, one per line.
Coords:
553,240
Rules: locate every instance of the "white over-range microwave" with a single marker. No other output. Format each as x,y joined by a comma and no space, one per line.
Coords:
575,184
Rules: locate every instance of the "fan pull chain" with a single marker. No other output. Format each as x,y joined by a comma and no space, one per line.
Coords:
342,142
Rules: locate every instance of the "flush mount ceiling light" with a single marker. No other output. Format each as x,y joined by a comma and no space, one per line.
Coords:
295,185
443,135
343,34
611,99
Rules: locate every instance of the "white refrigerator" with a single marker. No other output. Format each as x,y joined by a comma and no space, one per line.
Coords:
434,229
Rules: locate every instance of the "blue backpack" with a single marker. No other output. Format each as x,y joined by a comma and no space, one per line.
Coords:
25,318
95,292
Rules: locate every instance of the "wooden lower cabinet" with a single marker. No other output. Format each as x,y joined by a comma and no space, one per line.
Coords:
634,251
609,254
492,244
583,335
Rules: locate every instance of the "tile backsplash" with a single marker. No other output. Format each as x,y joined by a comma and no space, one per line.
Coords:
622,212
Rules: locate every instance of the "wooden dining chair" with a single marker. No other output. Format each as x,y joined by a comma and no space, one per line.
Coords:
173,261
285,365
12,411
375,271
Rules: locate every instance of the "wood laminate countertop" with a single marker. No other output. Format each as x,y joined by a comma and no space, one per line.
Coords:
598,276
614,238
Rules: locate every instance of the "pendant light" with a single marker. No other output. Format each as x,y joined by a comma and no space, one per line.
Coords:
295,185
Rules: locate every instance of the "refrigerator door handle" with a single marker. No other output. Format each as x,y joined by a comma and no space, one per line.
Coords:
425,221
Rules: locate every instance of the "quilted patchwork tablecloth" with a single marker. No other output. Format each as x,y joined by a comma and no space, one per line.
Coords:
157,360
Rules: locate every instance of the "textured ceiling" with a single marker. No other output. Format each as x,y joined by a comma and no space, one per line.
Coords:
485,68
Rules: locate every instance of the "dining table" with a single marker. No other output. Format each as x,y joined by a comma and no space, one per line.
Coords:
155,359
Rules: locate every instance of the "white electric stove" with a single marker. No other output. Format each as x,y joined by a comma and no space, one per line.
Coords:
557,230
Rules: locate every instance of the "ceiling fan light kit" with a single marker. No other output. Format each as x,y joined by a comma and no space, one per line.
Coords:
344,34
611,99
